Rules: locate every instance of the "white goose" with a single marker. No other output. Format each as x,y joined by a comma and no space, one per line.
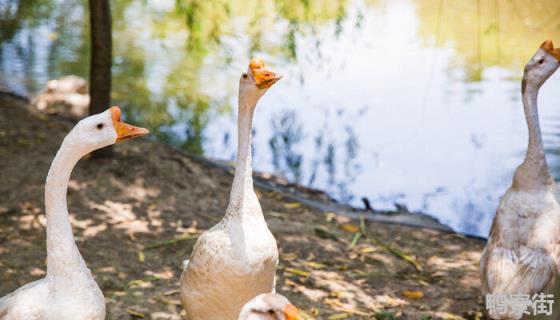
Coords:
269,306
68,292
235,260
522,253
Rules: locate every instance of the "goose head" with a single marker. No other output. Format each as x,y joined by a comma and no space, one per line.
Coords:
269,306
255,82
101,130
542,65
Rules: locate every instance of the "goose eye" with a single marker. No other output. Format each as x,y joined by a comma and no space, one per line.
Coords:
245,76
541,61
100,126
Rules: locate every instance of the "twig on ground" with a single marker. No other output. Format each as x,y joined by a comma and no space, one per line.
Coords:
398,253
169,242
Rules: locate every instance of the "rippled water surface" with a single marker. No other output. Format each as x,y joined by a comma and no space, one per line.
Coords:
411,102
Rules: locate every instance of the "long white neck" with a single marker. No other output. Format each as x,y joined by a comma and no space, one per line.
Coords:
63,257
533,172
242,193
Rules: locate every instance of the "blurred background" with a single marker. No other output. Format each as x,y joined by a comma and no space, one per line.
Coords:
408,102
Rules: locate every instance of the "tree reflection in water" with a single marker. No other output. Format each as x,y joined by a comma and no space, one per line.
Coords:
176,65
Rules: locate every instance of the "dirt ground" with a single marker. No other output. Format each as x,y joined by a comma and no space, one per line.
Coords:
136,217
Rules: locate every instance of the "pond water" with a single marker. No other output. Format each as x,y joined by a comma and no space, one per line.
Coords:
410,102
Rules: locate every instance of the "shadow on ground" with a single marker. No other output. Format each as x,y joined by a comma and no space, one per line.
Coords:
136,217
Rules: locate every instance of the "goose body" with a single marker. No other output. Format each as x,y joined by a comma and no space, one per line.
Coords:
80,298
69,291
230,264
235,260
523,248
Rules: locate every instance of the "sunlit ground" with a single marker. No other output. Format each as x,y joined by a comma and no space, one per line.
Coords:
415,102
136,217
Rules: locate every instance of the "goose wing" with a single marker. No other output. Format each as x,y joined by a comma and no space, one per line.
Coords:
525,270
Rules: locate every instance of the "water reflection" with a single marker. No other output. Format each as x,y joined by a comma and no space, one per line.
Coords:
414,102
333,160
488,33
287,134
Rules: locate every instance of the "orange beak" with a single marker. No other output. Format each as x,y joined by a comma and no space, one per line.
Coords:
548,46
125,130
264,78
291,313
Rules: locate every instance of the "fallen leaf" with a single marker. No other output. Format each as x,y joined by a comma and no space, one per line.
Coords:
413,294
354,242
348,227
333,302
291,283
136,313
424,283
276,214
171,292
368,250
298,272
292,205
343,267
139,282
288,256
398,253
171,302
169,242
336,294
315,265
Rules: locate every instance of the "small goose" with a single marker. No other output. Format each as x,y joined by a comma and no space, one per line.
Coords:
269,306
522,253
235,260
68,292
